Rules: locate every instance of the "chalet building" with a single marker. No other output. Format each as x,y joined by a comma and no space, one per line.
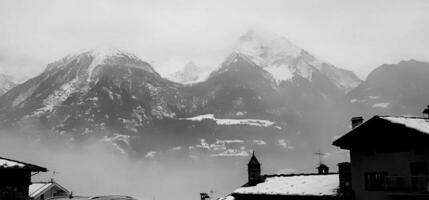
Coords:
316,186
389,158
47,190
15,178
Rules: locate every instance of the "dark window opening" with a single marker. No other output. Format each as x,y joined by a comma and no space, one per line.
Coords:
375,181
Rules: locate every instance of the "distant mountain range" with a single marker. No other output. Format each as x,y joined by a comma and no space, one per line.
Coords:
281,58
393,89
268,94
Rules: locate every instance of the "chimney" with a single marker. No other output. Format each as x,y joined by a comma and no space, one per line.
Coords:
356,121
322,169
345,176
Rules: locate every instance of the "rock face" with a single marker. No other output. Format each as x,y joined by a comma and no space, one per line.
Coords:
393,89
6,83
94,89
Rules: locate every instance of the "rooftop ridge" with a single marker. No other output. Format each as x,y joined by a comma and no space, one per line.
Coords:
400,116
298,174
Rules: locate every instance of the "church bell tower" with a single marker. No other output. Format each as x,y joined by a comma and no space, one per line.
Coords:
254,170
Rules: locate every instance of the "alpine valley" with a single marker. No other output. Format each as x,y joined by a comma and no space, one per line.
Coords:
268,95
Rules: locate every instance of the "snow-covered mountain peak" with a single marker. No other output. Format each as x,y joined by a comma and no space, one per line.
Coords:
284,60
237,56
262,46
102,56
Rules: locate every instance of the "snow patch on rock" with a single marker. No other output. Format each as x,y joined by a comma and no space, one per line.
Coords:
226,122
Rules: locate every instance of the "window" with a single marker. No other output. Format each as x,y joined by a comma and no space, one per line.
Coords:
375,181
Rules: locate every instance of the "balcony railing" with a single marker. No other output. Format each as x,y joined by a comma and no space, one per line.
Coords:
407,184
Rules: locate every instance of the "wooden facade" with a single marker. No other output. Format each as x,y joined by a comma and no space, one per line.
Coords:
15,178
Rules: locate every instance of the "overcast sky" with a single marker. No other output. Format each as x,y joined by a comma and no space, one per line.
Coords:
356,35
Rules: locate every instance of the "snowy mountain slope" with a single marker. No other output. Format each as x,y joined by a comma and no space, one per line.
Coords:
393,89
6,83
284,60
92,90
239,85
120,99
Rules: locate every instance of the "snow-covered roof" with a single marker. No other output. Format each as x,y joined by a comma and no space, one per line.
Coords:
36,189
6,163
308,185
419,124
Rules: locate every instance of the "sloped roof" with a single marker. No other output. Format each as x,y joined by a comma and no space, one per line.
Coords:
37,189
302,185
386,126
6,163
416,123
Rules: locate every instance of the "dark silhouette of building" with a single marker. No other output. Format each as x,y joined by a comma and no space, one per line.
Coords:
389,158
15,178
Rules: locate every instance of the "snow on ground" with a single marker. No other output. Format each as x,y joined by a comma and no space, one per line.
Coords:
418,124
175,148
228,141
285,143
221,148
314,185
250,122
8,163
381,105
259,142
232,152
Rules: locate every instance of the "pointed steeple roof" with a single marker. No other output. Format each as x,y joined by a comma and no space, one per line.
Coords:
253,160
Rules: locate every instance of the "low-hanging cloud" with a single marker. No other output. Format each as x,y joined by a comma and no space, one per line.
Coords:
96,168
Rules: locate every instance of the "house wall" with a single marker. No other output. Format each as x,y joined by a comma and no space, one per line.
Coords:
395,164
14,184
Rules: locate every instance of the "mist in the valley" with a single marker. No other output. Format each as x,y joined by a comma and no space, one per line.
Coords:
96,168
